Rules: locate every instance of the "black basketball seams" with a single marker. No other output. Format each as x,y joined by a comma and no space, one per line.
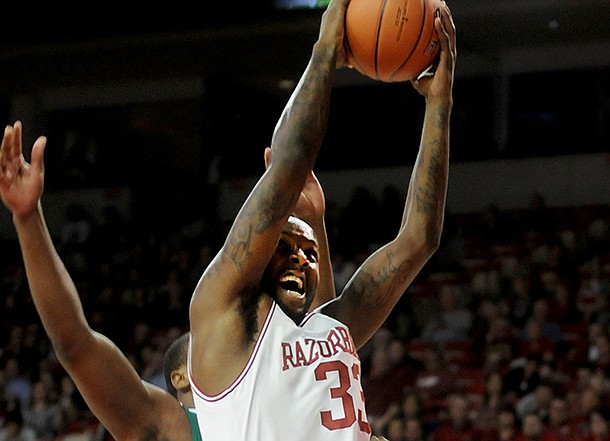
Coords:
377,38
421,30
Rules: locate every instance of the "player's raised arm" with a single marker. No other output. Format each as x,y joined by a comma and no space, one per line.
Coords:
222,313
128,407
377,285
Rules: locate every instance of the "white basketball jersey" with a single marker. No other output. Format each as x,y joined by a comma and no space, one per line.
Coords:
300,383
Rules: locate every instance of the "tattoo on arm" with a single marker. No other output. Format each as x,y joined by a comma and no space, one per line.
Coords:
427,195
371,289
238,248
267,208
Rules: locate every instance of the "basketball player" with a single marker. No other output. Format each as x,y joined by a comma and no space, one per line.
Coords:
261,368
128,407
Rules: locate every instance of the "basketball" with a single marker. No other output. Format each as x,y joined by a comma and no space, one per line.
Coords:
391,40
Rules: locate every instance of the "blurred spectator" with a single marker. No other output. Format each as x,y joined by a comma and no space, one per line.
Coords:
532,429
599,428
493,225
550,329
390,372
500,344
74,414
537,401
458,426
590,298
507,427
17,384
599,353
14,428
452,321
395,428
533,341
520,299
412,404
562,304
152,365
559,423
435,381
587,400
600,383
585,348
42,413
523,376
487,410
414,430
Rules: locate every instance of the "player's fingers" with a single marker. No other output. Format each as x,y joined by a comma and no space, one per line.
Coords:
6,145
38,153
448,26
16,144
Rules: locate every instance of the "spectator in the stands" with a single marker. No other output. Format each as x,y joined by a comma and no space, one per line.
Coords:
599,425
458,426
537,401
508,426
523,376
452,321
533,429
559,423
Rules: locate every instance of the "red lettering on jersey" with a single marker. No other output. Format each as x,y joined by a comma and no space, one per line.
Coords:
347,341
300,361
335,341
313,354
286,356
324,348
308,351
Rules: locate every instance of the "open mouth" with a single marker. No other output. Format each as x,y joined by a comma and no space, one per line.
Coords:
292,285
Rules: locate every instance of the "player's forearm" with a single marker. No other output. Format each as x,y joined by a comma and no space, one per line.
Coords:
425,205
51,287
303,122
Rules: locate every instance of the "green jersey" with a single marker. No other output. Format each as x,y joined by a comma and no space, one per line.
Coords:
190,413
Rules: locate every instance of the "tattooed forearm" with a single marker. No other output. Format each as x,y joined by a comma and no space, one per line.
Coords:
271,205
303,122
441,118
427,196
268,206
379,288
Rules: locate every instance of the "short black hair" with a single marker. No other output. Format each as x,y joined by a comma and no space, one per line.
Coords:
175,356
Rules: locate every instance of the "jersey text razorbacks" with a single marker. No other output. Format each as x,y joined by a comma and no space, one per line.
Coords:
308,350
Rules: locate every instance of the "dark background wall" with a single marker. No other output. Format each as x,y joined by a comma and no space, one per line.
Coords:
147,102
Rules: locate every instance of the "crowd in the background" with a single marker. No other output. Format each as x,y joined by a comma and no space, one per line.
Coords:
503,336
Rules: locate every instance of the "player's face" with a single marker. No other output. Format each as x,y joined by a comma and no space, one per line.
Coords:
291,277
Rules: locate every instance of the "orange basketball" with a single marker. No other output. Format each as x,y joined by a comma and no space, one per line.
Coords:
391,40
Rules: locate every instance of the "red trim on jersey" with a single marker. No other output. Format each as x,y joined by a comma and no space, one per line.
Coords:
244,371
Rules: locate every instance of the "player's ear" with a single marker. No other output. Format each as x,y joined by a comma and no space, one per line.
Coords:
267,157
180,378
